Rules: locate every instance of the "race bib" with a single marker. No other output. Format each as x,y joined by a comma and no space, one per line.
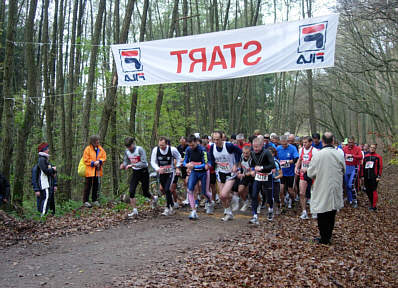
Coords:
197,163
306,164
261,177
135,159
306,157
350,158
224,167
369,164
285,164
167,169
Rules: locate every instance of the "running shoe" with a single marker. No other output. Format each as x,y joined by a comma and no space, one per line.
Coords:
290,204
355,204
228,215
314,216
166,212
87,205
254,220
297,199
185,202
96,204
258,209
270,215
193,215
210,208
245,206
134,213
171,211
235,203
176,206
304,215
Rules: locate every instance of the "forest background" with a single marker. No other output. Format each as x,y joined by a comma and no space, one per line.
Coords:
58,81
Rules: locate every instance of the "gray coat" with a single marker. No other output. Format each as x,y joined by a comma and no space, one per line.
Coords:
327,168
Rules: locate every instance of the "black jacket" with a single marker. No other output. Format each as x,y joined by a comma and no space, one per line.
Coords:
45,166
4,187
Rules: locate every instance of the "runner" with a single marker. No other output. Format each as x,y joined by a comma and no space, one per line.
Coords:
276,176
302,165
135,158
241,141
373,167
262,164
224,156
287,156
196,163
316,141
244,178
181,148
353,157
274,139
162,161
267,142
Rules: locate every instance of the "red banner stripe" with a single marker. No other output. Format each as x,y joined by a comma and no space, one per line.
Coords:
133,53
313,29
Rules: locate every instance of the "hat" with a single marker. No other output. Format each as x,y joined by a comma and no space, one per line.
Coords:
345,141
42,147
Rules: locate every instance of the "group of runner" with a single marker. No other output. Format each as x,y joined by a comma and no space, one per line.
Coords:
267,169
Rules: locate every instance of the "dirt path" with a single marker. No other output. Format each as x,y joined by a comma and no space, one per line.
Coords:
96,259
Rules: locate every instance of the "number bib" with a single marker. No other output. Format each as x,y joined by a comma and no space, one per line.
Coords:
135,159
350,158
285,164
224,167
369,165
167,169
261,177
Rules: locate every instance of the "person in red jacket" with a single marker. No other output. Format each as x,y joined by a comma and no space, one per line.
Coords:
353,157
372,169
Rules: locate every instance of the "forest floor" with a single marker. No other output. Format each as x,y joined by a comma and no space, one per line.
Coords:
102,248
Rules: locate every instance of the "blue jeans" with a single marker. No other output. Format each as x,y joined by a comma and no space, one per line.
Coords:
194,178
349,178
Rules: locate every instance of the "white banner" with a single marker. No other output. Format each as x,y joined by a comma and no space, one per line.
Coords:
299,45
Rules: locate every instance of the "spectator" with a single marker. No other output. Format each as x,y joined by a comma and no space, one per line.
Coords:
327,168
94,157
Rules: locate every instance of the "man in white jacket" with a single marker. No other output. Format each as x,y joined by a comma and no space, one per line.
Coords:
327,169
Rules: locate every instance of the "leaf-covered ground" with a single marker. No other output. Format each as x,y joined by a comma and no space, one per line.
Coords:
281,254
275,254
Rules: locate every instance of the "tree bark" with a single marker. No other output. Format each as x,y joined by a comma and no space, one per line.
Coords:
24,131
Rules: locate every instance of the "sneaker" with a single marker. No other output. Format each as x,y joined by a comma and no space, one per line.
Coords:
287,197
218,200
176,206
210,208
308,201
304,215
314,216
166,212
185,202
277,211
270,214
154,202
355,204
258,209
290,204
96,203
87,205
297,199
254,220
193,215
245,206
228,215
171,211
235,203
134,213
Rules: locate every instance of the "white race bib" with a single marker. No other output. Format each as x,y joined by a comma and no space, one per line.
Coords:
167,169
261,177
285,164
369,164
224,167
350,158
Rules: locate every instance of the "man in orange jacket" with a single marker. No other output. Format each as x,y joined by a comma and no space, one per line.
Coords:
94,157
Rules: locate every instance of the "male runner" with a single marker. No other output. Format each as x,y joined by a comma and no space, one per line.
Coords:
353,157
244,178
162,161
225,157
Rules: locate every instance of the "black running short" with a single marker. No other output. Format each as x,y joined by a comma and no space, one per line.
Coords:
288,180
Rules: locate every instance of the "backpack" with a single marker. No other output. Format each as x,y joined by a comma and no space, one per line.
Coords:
81,169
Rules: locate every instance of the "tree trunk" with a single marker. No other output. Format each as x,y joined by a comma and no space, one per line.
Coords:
8,131
91,74
111,92
24,131
158,107
134,98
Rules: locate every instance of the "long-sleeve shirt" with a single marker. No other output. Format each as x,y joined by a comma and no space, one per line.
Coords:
353,156
372,166
137,158
174,153
198,156
265,159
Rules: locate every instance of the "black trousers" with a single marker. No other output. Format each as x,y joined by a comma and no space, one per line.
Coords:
166,180
91,182
326,225
141,175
